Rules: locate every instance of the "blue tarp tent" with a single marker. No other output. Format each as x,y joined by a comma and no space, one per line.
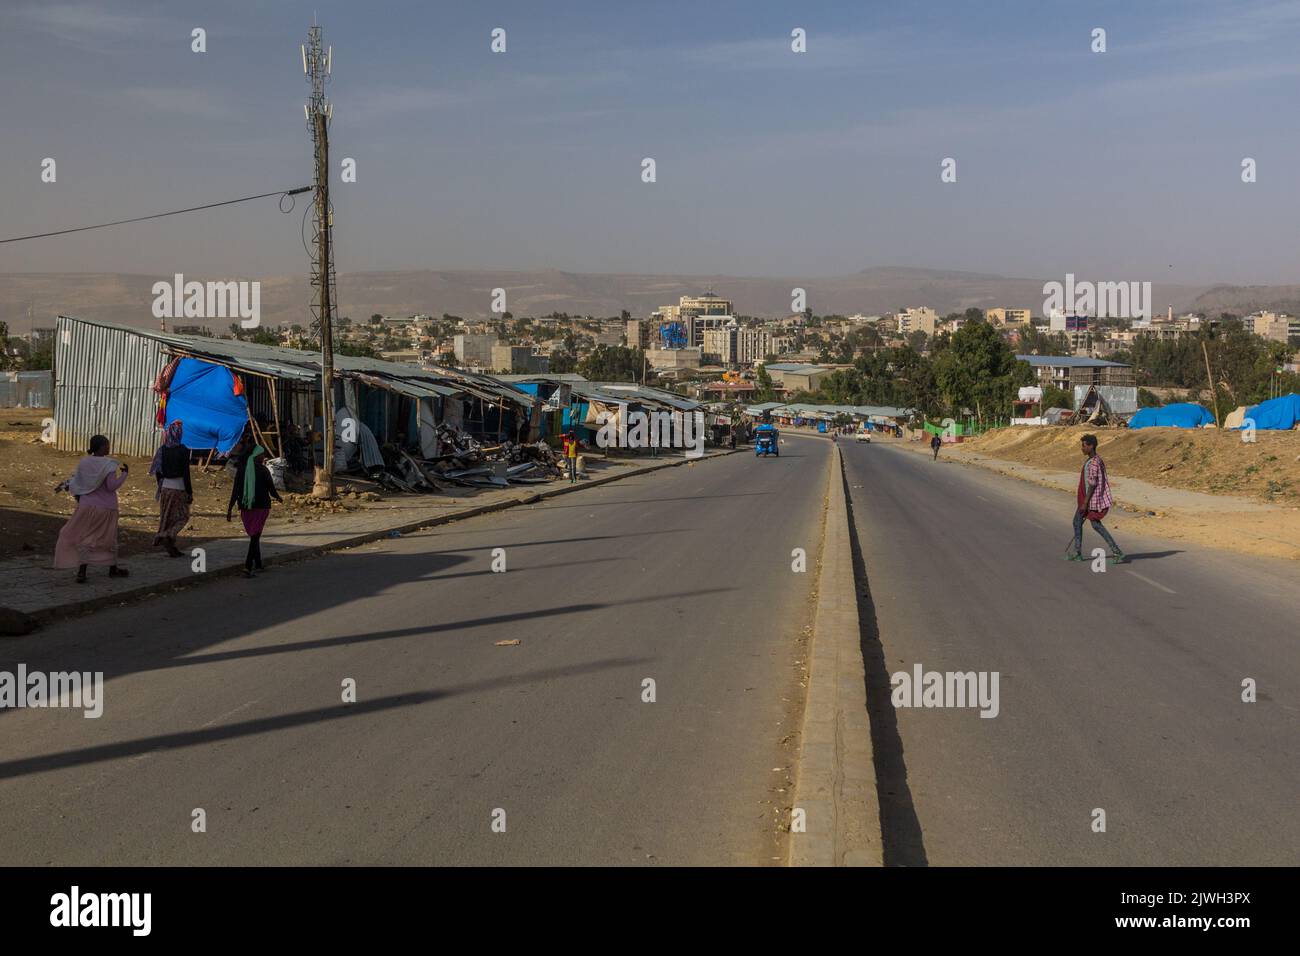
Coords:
1277,414
1181,415
203,397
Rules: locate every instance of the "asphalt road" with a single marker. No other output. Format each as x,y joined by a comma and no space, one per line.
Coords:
1119,691
228,696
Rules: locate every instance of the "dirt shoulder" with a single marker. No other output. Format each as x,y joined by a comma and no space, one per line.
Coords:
1202,486
1208,460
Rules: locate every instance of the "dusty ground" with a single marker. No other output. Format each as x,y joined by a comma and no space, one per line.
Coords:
31,512
1206,460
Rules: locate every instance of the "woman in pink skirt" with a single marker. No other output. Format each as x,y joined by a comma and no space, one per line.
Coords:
171,468
90,536
253,491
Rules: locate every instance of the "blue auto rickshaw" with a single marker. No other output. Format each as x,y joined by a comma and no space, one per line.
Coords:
767,440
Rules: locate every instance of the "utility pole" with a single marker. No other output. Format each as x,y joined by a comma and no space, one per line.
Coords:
316,63
1214,397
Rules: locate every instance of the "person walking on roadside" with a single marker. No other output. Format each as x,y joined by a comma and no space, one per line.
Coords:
253,491
935,443
90,536
171,467
1094,500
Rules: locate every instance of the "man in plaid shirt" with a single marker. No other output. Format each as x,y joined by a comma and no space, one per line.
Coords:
1094,500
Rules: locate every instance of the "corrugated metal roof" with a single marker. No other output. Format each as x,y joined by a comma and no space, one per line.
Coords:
807,410
104,375
277,361
649,394
1069,361
535,377
796,367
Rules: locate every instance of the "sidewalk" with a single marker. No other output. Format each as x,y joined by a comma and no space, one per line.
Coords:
33,588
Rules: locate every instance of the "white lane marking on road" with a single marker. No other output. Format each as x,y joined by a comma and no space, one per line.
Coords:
1154,584
981,498
228,713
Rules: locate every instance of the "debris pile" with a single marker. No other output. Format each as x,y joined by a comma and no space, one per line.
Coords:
466,462
501,465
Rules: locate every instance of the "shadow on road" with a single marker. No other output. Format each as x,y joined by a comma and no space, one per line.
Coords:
454,627
900,831
1149,555
193,738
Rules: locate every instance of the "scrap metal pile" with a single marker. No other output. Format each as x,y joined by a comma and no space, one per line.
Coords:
468,463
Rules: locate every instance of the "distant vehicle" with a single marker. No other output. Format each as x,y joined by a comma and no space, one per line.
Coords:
767,441
862,435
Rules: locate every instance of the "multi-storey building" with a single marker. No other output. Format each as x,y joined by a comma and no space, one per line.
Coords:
752,345
721,343
1276,326
917,320
638,333
474,351
1002,316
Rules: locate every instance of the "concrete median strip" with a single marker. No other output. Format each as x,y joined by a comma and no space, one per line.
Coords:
226,555
836,785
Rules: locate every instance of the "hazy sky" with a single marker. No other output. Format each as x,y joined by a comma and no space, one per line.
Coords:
1117,165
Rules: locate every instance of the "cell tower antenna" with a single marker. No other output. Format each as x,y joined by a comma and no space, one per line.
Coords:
319,114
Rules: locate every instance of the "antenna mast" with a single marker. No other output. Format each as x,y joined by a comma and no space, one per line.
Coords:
316,63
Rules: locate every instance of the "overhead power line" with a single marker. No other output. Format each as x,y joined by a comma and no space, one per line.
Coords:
175,212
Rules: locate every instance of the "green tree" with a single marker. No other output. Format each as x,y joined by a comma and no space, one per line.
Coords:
1054,397
563,361
613,363
979,371
356,349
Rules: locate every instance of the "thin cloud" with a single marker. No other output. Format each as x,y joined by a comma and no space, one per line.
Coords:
86,24
174,101
395,101
829,51
1239,24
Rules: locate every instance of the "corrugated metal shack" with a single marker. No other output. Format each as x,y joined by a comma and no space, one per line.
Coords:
587,401
104,377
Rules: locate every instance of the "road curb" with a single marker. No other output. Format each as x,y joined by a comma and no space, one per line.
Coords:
48,615
836,785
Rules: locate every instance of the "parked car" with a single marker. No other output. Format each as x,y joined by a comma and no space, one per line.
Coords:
862,435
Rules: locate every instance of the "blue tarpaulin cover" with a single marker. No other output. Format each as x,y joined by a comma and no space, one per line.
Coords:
203,397
1277,413
1181,415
